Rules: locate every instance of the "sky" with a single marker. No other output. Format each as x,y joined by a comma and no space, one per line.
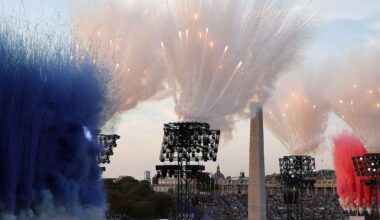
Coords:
340,26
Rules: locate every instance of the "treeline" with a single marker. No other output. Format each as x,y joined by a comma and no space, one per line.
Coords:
128,196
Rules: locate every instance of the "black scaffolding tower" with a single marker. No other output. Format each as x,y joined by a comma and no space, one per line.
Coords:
296,176
185,143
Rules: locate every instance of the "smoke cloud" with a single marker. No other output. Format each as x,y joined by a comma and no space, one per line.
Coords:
122,34
352,87
51,96
352,193
296,115
220,53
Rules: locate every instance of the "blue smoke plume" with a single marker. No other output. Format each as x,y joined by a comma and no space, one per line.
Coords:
51,97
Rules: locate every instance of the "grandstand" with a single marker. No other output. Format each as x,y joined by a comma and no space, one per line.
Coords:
229,199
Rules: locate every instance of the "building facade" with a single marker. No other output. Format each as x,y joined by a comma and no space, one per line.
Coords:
234,185
325,184
147,177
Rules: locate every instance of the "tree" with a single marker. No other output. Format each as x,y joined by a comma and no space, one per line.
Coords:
136,199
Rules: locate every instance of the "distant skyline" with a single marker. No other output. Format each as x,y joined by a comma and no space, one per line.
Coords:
340,26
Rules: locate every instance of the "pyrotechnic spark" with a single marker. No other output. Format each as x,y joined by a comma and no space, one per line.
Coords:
225,48
361,110
237,50
127,41
293,117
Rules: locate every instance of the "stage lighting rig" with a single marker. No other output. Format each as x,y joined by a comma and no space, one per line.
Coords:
163,171
295,169
189,141
367,168
109,142
296,175
367,165
183,143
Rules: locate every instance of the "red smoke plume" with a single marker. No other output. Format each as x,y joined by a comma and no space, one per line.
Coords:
351,192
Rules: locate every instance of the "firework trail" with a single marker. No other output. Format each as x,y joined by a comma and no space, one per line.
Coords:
356,98
122,35
297,116
220,53
51,98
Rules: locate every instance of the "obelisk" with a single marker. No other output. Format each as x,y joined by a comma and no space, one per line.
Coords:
256,182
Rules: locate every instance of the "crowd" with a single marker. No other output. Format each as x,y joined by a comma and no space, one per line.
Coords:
219,206
118,217
235,206
314,207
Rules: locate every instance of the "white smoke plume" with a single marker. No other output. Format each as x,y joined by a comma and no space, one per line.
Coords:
221,53
297,115
353,88
122,35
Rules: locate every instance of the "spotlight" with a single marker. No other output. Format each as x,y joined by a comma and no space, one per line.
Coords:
184,138
296,171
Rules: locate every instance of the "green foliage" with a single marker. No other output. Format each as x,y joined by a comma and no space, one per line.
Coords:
128,196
